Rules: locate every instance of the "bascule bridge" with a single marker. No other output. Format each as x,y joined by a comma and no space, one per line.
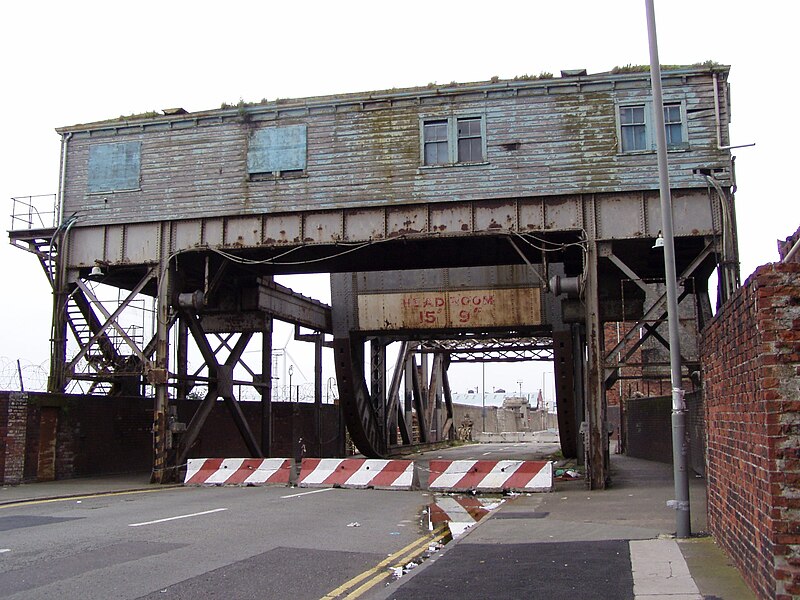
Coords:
503,220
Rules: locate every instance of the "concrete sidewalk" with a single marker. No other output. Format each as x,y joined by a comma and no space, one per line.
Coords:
75,488
575,543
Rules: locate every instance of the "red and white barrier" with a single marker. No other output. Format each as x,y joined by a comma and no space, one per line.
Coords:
490,476
238,471
357,473
464,509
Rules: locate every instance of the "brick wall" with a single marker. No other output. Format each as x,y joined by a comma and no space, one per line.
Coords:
101,435
751,375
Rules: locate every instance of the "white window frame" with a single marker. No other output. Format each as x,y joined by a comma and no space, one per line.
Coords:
452,139
649,121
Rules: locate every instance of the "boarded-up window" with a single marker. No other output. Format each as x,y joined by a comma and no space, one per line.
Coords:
277,150
114,167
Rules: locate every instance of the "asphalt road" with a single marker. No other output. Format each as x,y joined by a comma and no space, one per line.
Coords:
231,542
273,542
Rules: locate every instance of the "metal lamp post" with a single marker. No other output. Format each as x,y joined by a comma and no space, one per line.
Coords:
291,370
679,460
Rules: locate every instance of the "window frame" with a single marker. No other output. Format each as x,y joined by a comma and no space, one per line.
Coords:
649,122
453,138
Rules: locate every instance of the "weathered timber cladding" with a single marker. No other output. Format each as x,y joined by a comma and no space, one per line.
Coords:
543,138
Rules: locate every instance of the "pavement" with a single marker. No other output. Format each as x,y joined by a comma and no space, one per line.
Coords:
574,543
570,543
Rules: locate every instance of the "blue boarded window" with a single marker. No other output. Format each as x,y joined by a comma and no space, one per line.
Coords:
277,150
114,167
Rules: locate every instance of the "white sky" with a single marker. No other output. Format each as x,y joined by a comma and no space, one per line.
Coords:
65,63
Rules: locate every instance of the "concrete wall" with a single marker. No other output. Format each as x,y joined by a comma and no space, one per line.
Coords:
500,420
751,374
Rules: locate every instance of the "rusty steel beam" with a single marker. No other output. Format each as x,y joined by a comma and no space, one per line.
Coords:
221,377
282,303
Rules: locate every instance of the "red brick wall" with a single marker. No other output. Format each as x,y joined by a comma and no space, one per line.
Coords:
751,375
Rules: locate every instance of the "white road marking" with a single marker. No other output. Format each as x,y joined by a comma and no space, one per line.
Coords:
205,512
307,493
2,550
486,453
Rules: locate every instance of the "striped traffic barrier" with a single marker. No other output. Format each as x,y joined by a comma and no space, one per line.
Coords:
357,473
464,509
490,476
238,471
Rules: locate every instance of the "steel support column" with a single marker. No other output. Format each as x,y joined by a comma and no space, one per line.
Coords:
184,386
266,389
597,467
568,418
377,388
158,375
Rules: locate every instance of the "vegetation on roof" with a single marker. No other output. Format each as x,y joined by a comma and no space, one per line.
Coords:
145,115
542,75
646,68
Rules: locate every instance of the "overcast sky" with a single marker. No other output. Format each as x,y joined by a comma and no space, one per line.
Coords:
65,63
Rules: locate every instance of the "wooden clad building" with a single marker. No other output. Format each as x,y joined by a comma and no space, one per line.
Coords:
521,138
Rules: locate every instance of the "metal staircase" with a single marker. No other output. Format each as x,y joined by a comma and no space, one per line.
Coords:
34,229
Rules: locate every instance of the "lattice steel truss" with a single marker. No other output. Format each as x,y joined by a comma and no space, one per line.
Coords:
491,349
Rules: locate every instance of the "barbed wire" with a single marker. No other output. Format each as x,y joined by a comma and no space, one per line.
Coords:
18,375
34,379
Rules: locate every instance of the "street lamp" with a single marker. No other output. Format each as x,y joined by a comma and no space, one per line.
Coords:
291,370
680,474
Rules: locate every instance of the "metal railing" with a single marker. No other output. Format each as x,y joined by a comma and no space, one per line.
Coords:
33,212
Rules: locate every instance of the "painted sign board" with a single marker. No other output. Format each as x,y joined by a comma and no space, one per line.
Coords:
450,309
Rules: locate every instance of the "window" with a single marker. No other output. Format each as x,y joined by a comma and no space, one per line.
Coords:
435,134
456,140
635,127
277,151
673,125
114,167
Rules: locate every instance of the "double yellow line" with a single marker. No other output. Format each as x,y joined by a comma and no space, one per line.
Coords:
400,557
